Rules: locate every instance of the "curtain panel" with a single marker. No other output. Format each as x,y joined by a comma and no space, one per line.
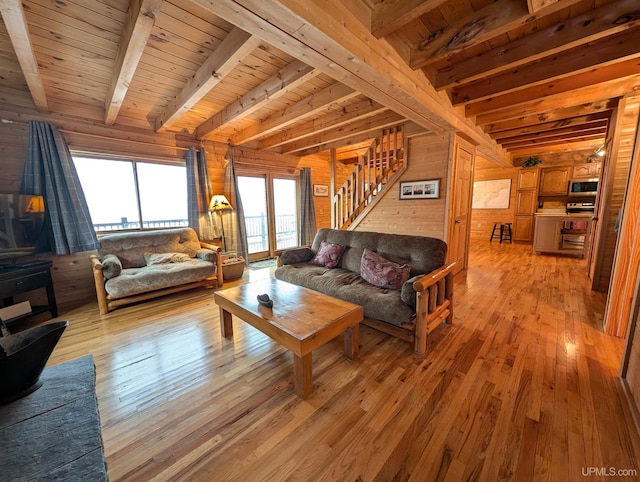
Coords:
50,172
235,230
307,208
198,196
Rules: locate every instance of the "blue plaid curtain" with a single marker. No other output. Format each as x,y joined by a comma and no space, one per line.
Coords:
198,196
307,209
49,172
234,228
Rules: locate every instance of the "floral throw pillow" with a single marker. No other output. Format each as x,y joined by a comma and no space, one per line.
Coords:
381,272
328,255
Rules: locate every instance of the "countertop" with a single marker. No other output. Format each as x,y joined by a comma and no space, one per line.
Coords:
561,215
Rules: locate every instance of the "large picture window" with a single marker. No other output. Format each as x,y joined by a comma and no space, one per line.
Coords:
125,194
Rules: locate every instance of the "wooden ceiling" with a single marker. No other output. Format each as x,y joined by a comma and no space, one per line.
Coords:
534,76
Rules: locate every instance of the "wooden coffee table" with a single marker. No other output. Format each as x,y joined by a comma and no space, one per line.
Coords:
301,320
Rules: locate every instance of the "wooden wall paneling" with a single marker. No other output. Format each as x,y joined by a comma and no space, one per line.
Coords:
482,219
627,253
428,158
612,188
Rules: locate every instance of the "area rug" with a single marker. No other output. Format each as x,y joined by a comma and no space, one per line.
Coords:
265,263
54,432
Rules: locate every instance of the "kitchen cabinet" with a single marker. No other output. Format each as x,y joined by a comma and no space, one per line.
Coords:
554,180
526,202
562,234
587,170
528,179
523,228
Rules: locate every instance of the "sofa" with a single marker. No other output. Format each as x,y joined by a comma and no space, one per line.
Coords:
136,266
415,297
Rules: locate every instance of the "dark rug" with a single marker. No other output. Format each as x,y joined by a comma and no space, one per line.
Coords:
54,432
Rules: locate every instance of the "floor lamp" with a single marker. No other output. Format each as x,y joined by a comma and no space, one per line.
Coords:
218,204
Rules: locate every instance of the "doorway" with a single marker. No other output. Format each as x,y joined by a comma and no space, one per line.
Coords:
270,206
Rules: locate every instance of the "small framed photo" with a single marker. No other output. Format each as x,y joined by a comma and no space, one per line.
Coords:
320,190
429,189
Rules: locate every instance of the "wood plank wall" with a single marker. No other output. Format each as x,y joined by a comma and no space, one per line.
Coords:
608,241
482,219
428,158
627,256
72,275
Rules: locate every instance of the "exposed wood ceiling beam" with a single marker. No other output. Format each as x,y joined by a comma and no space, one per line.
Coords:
567,135
353,56
350,113
535,6
575,123
237,45
560,144
291,76
308,107
354,139
495,19
604,77
140,20
607,20
18,30
601,107
371,124
595,62
524,153
390,15
487,114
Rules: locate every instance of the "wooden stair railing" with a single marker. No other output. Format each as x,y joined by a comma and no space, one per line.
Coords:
378,167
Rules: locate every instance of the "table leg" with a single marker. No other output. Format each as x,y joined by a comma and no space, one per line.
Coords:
352,342
302,378
226,325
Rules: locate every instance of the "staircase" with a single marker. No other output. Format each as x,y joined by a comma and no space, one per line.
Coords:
381,164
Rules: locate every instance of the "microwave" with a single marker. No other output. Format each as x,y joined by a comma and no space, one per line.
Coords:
583,187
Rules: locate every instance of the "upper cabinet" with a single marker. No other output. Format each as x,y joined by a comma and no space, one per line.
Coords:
528,179
554,180
587,170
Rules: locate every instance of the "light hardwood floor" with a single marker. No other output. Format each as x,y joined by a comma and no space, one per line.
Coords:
521,387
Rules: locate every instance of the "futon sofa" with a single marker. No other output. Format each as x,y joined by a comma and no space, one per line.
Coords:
136,266
410,309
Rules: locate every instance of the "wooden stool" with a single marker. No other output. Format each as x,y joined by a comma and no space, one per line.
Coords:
505,232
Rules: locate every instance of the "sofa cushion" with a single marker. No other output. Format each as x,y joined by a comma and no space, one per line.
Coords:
378,303
381,272
296,255
207,255
111,266
133,281
328,255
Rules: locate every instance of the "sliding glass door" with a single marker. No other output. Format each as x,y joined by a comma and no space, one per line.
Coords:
271,213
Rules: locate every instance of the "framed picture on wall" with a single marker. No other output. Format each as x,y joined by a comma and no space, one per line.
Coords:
429,189
320,190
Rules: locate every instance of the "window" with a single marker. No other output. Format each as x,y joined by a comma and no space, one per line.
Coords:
123,194
270,206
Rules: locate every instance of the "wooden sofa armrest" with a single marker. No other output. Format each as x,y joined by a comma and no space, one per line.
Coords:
434,303
218,251
98,278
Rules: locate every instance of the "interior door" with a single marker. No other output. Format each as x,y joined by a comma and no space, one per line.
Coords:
460,212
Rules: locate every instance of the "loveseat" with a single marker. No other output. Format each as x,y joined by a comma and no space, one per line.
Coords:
420,304
136,266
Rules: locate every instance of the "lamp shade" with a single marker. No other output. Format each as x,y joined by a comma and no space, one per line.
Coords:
219,202
36,205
